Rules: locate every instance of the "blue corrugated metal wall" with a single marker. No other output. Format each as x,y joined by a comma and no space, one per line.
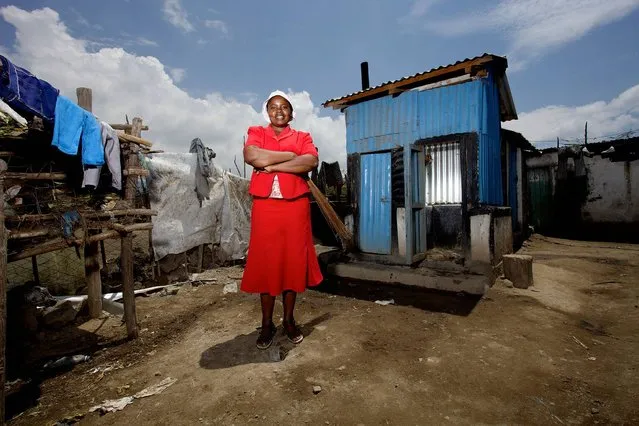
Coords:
384,123
512,186
490,184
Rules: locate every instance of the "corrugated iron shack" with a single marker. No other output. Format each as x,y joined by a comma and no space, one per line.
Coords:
425,156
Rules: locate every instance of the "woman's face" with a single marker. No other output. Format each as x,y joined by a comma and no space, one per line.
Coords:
279,111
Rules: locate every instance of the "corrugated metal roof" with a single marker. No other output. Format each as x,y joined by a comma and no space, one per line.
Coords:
477,63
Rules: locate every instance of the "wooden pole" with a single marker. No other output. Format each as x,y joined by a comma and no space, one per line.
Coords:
34,269
91,250
126,254
94,283
244,162
586,134
3,293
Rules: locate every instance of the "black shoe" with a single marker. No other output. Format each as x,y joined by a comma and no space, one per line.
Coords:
265,339
293,332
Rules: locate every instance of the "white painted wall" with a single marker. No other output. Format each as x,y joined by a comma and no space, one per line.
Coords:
480,238
614,191
401,231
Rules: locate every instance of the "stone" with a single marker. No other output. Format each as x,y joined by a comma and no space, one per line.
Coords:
59,315
230,288
518,269
317,389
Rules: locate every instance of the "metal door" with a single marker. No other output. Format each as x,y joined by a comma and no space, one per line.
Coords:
375,203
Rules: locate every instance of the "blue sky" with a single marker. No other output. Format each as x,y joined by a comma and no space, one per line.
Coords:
569,62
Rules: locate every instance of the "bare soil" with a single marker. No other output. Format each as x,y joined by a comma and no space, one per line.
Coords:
561,352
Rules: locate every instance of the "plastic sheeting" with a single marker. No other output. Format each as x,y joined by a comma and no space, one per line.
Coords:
181,224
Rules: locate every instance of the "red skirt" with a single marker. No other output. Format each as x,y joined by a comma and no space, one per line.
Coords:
281,255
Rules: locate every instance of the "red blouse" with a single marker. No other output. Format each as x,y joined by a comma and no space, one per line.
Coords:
291,185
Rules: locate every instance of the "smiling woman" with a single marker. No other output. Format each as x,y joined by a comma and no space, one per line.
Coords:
281,257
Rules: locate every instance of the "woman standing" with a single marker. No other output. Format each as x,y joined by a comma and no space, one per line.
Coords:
281,257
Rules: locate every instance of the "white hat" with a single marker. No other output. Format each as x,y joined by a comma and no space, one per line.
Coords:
271,96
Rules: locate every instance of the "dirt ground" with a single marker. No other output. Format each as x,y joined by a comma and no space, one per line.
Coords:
563,352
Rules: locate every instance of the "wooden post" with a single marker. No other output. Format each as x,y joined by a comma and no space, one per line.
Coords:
91,250
85,98
3,292
34,269
126,255
105,264
200,258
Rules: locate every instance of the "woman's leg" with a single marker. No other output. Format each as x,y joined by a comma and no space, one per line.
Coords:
268,303
290,328
265,339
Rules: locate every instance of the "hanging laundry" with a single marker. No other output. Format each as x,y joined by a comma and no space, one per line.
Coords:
203,168
26,93
73,122
112,156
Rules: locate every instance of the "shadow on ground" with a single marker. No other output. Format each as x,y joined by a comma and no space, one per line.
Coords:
241,349
461,304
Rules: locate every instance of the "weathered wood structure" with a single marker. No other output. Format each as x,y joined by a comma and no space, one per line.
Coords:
39,189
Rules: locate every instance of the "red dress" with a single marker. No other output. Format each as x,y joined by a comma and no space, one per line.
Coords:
281,255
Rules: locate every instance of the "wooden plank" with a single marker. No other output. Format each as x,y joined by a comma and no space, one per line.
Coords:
3,293
21,235
410,82
60,243
86,215
134,139
34,176
126,127
136,171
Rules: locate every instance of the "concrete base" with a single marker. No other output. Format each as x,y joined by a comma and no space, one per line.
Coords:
418,277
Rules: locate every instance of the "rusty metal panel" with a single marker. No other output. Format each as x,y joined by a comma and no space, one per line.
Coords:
443,173
375,203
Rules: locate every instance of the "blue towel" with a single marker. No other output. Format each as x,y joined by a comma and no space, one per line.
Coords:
73,122
26,93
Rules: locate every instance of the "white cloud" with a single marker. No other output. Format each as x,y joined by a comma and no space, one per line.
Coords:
124,83
217,25
142,41
618,116
175,13
177,74
419,8
84,21
531,27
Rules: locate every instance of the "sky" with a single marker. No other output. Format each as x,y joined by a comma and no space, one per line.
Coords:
202,69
